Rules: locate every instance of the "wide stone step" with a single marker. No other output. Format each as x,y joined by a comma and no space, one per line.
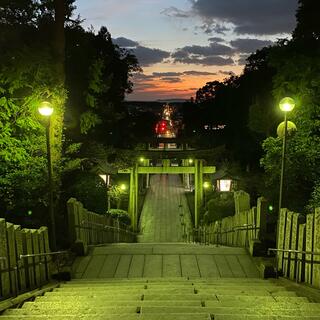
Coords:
169,289
170,280
181,286
173,291
78,305
203,316
166,309
165,316
52,296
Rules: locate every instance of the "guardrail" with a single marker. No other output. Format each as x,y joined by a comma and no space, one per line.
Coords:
87,228
113,234
298,261
205,235
32,262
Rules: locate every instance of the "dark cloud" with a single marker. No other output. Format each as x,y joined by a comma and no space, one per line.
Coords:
206,55
171,79
213,54
147,56
175,12
167,74
210,50
210,27
141,76
249,45
228,73
216,39
124,42
243,59
206,61
249,16
198,73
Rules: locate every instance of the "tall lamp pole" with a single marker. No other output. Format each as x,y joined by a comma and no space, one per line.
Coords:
206,186
46,109
286,104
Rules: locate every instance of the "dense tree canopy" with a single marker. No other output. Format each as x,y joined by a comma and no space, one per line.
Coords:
85,80
248,106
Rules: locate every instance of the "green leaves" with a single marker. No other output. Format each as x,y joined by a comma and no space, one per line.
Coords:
88,120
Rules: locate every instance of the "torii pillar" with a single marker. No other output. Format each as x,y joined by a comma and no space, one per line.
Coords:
133,197
198,189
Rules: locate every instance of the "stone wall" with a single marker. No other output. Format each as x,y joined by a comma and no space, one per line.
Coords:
89,228
300,233
246,228
18,274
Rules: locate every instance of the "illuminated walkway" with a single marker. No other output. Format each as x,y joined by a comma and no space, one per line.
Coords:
164,207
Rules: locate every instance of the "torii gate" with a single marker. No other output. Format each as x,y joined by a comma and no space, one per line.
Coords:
197,168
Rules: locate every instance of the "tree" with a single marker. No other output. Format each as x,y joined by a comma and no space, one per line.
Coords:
308,27
297,75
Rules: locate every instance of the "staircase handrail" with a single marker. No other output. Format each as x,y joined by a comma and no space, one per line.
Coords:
295,252
83,222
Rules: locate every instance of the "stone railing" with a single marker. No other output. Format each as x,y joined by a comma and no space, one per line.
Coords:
246,228
298,245
24,264
88,228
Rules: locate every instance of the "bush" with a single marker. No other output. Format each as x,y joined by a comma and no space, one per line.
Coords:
122,215
221,205
88,188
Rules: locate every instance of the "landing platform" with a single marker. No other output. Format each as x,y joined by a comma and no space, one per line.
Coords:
145,260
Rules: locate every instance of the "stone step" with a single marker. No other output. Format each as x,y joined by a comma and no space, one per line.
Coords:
169,280
231,311
169,310
150,288
181,286
101,304
185,316
165,316
52,296
171,291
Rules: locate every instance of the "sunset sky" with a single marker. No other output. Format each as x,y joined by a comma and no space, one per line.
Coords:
182,44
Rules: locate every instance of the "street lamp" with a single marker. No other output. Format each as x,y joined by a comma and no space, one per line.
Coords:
206,186
286,104
46,109
123,187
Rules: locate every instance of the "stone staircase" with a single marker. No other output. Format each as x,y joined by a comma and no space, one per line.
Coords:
169,299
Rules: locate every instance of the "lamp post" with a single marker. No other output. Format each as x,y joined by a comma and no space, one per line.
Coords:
286,104
46,109
206,186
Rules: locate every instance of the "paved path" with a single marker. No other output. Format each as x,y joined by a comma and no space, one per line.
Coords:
164,203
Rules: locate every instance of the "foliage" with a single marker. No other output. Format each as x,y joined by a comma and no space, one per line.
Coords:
88,188
25,79
97,79
219,206
121,215
297,75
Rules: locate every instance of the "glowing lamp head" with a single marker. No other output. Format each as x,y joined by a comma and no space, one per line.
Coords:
141,159
123,187
45,109
206,185
190,161
286,104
